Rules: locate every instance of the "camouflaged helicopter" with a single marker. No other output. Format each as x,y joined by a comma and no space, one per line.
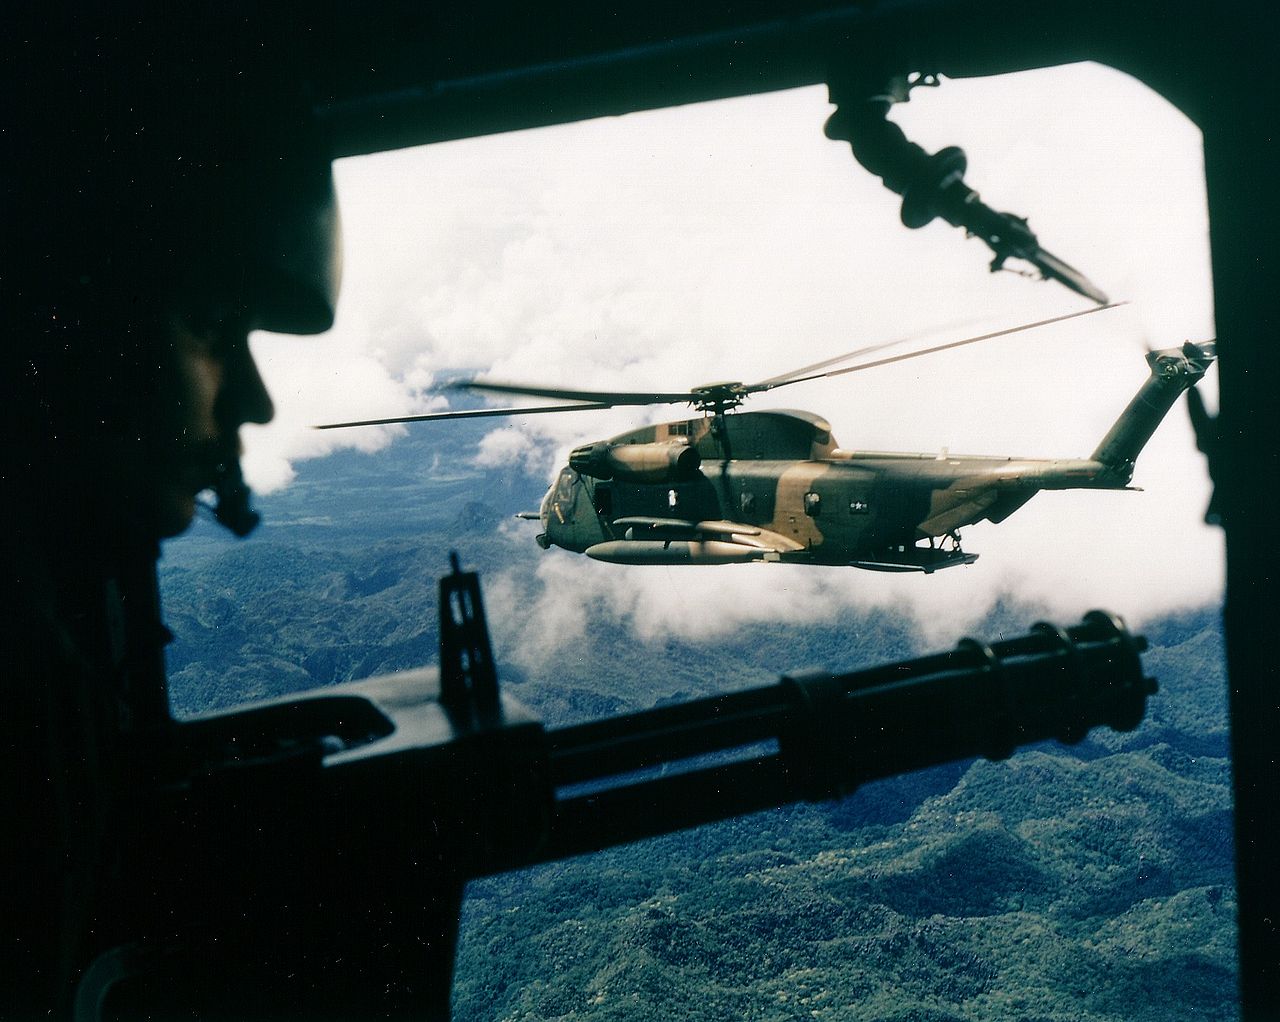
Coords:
730,486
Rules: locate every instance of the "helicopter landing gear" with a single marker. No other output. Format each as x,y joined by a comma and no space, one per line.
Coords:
945,552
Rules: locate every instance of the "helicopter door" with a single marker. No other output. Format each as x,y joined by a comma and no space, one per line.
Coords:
603,501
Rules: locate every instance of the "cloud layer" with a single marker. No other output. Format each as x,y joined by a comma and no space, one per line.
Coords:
733,241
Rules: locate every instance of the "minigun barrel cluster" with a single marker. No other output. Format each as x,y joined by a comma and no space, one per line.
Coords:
819,735
347,820
506,792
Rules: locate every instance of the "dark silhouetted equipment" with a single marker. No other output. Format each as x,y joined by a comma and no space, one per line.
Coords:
932,185
301,858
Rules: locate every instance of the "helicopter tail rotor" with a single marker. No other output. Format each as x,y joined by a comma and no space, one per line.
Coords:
1173,371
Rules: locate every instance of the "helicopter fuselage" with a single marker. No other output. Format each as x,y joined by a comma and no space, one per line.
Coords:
774,486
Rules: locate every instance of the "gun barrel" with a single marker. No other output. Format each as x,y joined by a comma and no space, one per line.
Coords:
819,735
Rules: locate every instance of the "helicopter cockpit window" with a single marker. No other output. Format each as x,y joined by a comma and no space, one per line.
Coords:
564,485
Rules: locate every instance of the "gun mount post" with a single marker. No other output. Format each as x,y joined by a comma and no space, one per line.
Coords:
468,679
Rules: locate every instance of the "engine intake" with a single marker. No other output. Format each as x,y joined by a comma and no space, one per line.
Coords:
637,463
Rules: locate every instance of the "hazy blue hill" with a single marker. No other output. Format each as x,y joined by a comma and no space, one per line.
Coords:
1091,882
1052,886
340,580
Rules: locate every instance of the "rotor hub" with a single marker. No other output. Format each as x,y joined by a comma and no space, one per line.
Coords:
719,397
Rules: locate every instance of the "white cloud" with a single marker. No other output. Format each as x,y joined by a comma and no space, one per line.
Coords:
511,446
309,379
732,240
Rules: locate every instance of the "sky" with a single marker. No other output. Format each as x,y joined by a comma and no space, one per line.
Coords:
732,240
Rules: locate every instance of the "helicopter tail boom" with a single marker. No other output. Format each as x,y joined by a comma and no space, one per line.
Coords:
1173,371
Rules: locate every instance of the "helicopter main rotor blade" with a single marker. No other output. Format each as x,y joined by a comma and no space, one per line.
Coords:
719,396
871,349
607,397
471,413
770,385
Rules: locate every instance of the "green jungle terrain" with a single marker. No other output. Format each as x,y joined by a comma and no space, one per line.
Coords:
1091,882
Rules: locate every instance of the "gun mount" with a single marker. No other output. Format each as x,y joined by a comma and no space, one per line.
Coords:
933,186
345,821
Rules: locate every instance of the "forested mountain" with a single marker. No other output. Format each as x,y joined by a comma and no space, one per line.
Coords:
1091,882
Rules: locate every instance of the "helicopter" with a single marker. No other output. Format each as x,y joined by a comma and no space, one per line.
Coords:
730,487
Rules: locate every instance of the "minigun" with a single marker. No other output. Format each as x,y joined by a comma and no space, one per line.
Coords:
326,837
